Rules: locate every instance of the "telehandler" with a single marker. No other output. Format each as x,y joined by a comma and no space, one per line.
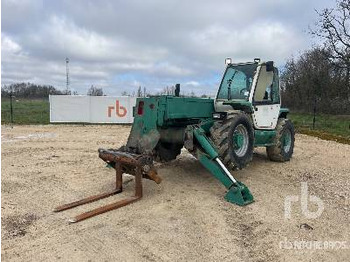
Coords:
221,133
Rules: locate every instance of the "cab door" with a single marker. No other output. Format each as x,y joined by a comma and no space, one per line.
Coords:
265,98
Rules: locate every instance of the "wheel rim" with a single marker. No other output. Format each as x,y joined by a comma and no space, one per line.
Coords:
240,140
287,140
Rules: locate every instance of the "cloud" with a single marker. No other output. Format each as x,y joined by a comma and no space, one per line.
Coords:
263,39
120,45
192,83
63,36
8,46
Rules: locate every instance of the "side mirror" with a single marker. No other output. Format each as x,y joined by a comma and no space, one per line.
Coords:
269,66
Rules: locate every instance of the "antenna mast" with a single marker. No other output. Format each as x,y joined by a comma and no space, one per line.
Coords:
67,76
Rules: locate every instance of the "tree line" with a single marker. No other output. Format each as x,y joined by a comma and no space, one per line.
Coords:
29,90
319,79
34,91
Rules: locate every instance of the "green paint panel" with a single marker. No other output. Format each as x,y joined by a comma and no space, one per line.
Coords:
187,107
264,137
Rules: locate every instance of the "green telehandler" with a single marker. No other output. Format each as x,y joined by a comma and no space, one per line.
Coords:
221,133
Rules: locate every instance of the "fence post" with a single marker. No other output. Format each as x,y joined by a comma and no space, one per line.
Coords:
11,107
314,119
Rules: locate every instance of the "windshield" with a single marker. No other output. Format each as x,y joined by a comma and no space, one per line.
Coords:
238,79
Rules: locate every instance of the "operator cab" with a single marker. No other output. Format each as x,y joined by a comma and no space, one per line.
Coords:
251,87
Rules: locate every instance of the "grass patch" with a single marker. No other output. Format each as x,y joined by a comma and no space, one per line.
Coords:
328,127
26,111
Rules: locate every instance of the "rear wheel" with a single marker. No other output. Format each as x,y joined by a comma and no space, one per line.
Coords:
165,152
284,142
234,139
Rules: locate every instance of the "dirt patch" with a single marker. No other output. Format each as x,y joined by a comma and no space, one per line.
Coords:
16,226
185,218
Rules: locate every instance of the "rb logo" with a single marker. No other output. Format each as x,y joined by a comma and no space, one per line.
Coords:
304,199
119,110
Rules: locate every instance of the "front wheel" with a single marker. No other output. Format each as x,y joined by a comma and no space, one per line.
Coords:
234,139
284,142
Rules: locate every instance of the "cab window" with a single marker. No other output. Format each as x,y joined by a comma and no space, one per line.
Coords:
265,87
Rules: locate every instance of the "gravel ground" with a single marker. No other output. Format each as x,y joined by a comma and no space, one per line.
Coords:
185,218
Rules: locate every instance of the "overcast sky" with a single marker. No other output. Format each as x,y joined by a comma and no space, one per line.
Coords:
120,45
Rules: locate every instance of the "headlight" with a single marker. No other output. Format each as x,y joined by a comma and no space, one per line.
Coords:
219,115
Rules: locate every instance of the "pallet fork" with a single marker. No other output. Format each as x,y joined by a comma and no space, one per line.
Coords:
137,165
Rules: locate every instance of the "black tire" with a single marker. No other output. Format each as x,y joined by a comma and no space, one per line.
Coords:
283,149
165,152
222,134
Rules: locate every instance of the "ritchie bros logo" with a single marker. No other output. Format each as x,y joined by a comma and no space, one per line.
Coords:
119,110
